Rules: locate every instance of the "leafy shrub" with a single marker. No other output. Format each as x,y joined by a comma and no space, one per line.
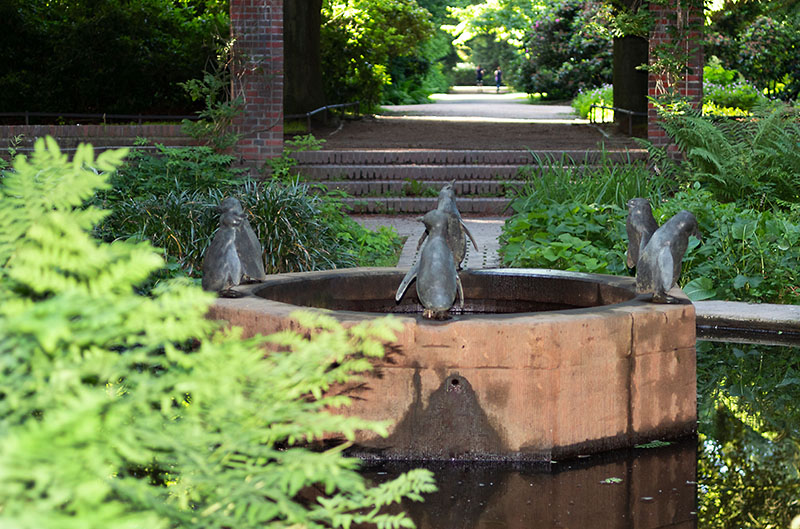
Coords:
739,94
726,92
214,125
463,74
603,181
582,102
360,37
566,51
114,60
768,55
566,236
119,410
169,199
745,254
715,72
711,109
178,170
754,160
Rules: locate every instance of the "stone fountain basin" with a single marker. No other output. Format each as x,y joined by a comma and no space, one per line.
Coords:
539,365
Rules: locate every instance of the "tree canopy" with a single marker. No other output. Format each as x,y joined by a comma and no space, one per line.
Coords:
112,56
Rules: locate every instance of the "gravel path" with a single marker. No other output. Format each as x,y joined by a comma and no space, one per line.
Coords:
486,231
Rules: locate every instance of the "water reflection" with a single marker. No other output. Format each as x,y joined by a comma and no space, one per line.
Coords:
633,489
749,451
746,460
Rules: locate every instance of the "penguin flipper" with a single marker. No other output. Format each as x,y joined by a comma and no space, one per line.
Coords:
466,230
422,239
410,275
666,275
460,292
633,249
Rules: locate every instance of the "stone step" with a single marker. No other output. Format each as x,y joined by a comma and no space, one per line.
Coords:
460,157
439,173
422,188
417,205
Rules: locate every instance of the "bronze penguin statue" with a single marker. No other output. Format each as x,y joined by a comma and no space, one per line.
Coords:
438,283
457,231
248,246
640,226
222,268
659,265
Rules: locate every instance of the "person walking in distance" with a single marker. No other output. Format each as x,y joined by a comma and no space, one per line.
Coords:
498,78
479,76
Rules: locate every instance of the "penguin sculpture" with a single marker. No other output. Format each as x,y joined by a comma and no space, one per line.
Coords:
248,246
438,283
659,265
640,227
457,231
222,268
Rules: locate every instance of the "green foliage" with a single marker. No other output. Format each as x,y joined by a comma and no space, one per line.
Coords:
170,198
746,254
566,236
112,56
168,169
603,181
282,166
415,78
220,109
760,40
360,39
726,91
120,410
768,55
565,51
573,218
582,102
754,160
749,458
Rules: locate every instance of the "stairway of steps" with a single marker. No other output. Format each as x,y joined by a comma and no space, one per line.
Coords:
408,181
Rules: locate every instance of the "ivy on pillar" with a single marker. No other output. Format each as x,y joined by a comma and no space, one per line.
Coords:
676,58
257,30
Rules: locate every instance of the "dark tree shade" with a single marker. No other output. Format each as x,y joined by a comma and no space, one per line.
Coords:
303,88
113,56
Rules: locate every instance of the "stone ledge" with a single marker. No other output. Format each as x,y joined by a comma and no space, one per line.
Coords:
748,322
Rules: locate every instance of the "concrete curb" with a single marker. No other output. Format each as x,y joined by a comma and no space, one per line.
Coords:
756,323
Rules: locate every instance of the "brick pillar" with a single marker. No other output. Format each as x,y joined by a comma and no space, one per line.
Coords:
687,24
257,26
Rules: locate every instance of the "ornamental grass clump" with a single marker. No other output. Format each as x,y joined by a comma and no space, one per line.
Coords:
128,411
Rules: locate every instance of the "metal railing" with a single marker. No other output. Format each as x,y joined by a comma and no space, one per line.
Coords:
629,113
325,109
138,118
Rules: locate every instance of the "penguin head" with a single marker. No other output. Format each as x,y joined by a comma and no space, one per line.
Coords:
639,206
447,190
688,223
230,204
230,219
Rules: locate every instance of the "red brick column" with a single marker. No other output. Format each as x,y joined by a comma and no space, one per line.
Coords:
257,27
685,24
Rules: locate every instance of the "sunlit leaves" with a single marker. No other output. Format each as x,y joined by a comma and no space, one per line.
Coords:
123,410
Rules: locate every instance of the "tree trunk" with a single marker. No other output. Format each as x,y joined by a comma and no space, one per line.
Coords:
630,84
302,64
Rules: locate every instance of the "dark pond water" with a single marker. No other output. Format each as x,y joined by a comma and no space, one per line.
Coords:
741,471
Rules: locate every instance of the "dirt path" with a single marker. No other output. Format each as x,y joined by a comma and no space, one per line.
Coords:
473,121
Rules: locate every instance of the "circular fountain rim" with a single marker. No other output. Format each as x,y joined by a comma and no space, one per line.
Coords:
250,292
